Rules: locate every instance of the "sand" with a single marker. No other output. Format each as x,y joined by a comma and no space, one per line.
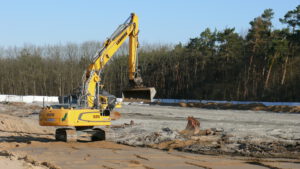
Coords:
152,141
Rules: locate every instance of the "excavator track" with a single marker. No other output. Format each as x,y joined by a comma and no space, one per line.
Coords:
71,135
98,134
66,135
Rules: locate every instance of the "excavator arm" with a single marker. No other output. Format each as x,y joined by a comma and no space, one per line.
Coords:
92,79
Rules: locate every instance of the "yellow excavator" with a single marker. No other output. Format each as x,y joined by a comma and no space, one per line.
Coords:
88,107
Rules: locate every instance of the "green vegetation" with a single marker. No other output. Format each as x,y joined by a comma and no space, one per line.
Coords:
262,65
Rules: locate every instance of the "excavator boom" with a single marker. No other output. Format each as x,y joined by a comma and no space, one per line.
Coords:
92,79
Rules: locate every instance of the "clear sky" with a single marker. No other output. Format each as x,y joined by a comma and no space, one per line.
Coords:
161,21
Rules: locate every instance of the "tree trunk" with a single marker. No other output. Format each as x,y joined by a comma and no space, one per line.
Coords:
284,71
269,72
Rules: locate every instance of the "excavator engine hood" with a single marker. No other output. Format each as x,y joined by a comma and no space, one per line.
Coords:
143,94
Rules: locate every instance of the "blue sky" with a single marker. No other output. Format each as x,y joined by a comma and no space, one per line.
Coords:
43,22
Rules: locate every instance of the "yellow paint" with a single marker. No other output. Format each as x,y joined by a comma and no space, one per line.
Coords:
118,105
74,117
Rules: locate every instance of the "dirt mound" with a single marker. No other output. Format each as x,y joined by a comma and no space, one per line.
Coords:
19,109
15,161
253,106
14,103
182,104
16,125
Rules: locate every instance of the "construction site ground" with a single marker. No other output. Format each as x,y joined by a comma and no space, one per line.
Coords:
150,136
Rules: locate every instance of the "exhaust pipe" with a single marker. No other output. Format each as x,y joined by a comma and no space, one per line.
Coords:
143,94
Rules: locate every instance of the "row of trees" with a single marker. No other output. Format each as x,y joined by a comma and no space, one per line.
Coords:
262,65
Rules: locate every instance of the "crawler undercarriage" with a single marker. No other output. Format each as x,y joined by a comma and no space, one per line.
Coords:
86,134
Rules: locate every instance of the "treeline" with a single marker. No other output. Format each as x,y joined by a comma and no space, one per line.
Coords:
264,64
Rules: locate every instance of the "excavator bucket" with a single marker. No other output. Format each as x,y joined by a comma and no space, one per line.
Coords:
143,94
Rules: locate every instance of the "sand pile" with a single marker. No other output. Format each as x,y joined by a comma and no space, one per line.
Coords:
19,119
254,106
19,109
9,160
15,124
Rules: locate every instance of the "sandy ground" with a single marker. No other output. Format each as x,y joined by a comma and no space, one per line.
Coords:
253,139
